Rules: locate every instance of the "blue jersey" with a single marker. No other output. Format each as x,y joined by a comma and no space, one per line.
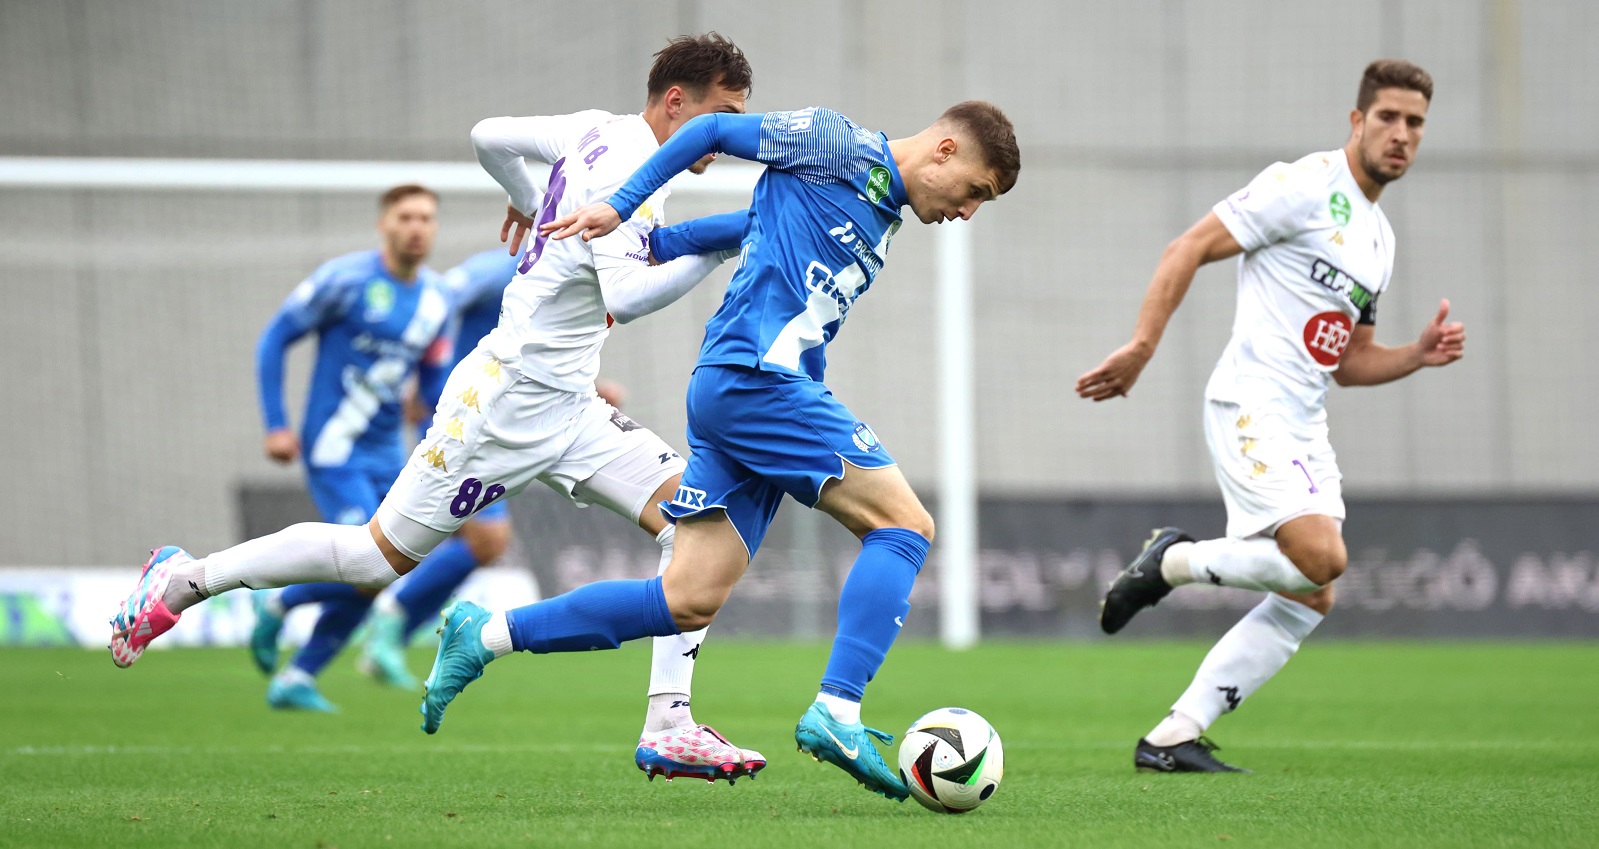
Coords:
474,288
373,332
823,215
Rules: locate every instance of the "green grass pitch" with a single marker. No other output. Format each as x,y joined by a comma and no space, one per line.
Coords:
1354,744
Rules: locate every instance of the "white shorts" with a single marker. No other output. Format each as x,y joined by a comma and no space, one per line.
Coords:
495,432
1272,467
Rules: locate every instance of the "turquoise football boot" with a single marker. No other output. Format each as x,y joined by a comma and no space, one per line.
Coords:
460,661
849,747
383,654
297,695
264,637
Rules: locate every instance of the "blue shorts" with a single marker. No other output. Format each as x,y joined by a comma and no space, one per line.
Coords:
345,495
755,435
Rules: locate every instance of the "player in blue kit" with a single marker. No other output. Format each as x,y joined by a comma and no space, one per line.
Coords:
524,405
760,421
474,288
380,317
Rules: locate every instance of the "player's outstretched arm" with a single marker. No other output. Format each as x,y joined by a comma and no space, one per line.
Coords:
280,443
1366,363
718,132
707,234
1205,242
633,288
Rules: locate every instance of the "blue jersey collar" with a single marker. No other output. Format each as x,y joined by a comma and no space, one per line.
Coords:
896,186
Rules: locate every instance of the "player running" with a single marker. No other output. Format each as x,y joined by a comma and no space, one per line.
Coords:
522,407
1317,253
380,318
760,421
474,289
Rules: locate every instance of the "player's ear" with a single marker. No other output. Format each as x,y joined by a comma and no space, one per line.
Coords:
1356,119
945,150
674,99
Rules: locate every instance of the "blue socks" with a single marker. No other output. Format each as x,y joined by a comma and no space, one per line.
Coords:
872,608
339,619
435,579
601,615
298,594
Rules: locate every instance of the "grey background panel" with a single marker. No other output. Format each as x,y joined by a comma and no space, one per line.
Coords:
130,318
1451,568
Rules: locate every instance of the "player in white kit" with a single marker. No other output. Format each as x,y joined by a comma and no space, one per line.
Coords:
1317,254
522,406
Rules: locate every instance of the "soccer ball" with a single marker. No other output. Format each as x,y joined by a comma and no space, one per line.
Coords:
952,760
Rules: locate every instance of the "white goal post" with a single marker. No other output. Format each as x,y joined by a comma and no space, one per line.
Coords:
957,491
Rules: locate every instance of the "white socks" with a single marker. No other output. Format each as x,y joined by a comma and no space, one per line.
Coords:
672,664
297,554
387,604
1241,661
842,709
496,634
1175,728
667,711
1252,564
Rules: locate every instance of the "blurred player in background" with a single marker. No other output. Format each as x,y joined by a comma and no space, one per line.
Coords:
761,423
474,289
380,318
1317,253
523,407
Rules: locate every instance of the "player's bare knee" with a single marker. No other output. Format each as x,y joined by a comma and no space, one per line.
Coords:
396,558
692,597
1320,601
1321,561
921,522
692,610
693,619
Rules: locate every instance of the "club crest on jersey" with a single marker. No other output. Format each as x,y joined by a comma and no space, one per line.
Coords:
378,300
1338,207
865,438
877,181
1326,337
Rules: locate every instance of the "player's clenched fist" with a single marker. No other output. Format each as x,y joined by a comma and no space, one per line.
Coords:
282,445
592,221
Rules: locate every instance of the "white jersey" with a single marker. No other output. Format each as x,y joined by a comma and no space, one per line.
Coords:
1317,254
553,318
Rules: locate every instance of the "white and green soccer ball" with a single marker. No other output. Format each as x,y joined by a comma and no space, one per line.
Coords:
952,760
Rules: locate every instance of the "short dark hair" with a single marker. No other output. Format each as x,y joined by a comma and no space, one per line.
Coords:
403,191
985,124
1391,73
697,62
